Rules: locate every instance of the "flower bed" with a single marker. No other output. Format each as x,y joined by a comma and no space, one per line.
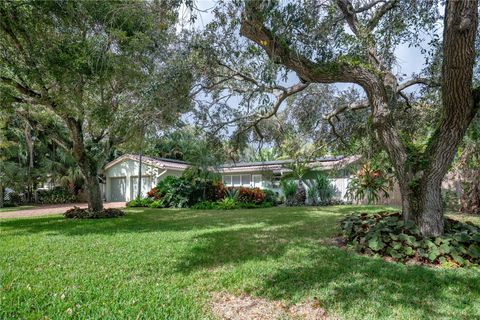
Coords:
386,235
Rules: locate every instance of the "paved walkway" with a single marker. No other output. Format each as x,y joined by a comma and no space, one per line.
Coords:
44,210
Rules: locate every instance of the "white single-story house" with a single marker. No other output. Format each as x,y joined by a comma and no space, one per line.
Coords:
121,175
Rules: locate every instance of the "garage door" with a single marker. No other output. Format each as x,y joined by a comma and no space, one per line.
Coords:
117,189
146,186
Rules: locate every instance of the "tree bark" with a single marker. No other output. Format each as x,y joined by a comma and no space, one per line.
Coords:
460,27
88,166
94,193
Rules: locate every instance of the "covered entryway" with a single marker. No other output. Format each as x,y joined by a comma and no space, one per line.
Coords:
118,188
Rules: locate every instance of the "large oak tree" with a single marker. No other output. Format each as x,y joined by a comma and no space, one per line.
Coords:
344,41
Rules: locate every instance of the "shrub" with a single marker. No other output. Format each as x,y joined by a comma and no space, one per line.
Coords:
227,204
270,197
386,234
156,204
14,199
205,205
153,193
289,189
254,195
79,213
137,202
55,196
232,193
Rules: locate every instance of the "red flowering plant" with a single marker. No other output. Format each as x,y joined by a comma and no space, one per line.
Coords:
154,193
254,195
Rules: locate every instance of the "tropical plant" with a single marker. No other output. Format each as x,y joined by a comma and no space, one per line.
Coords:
386,234
289,189
232,193
227,203
369,183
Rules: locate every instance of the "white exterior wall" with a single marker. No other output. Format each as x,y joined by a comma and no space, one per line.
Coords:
340,185
128,169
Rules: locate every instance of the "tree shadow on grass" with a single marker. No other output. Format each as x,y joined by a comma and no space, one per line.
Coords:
153,220
348,281
341,279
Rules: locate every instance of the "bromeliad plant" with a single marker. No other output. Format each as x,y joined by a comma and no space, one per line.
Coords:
386,234
369,183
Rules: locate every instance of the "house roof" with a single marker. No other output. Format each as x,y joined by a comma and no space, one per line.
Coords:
277,166
162,163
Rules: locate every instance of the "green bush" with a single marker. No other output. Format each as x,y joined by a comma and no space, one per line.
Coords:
289,189
227,204
156,204
385,234
137,202
14,199
55,196
270,197
205,205
79,213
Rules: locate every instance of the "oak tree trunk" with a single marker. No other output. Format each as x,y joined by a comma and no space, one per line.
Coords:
88,165
94,194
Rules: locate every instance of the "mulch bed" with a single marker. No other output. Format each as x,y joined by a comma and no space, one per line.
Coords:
229,307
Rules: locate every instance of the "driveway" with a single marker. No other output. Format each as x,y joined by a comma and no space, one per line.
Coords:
44,210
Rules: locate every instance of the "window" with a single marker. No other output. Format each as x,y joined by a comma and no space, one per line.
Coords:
246,180
257,180
227,180
236,181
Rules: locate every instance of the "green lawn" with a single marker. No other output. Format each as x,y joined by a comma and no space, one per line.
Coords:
7,209
164,264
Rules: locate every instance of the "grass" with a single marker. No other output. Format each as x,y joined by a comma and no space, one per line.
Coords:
164,264
7,209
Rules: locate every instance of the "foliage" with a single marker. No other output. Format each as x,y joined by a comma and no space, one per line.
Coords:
14,199
270,196
205,205
232,193
386,234
289,189
320,189
137,202
370,183
79,213
254,195
227,203
55,195
99,77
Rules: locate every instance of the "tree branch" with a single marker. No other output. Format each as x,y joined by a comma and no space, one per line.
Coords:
252,27
412,82
357,105
255,118
21,88
378,15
